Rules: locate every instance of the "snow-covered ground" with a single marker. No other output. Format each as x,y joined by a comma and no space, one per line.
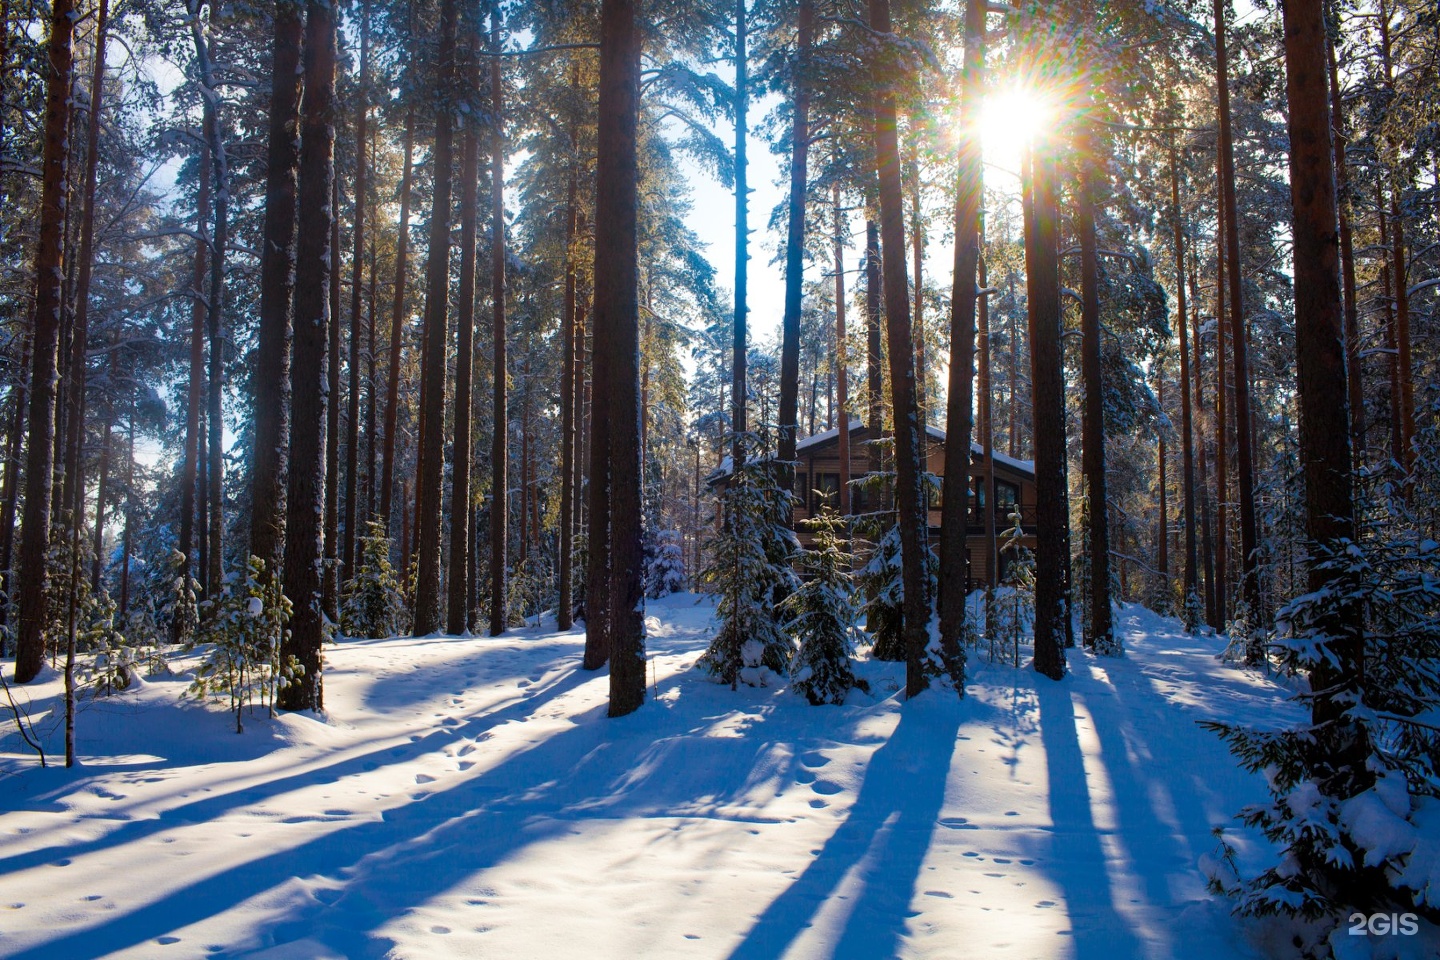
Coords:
469,798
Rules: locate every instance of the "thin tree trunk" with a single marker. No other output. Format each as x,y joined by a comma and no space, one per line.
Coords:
314,258
1163,560
49,292
458,594
1099,627
1047,406
11,495
126,538
617,350
842,373
1404,374
500,437
909,492
565,606
738,389
433,338
331,574
101,491
357,276
1187,450
190,471
1354,383
271,392
874,377
397,330
985,503
1222,439
1392,349
1212,609
1339,745
795,244
1245,478
959,412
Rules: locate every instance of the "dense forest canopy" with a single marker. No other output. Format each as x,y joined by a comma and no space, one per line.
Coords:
384,317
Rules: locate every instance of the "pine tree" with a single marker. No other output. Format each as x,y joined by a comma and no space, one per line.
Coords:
374,603
823,616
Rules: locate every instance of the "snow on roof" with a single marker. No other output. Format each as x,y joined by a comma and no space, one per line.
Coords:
825,436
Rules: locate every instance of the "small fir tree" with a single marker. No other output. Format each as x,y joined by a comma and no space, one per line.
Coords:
750,568
374,604
665,570
184,609
823,616
1013,611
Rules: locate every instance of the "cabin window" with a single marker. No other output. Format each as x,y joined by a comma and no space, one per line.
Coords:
977,498
1006,496
827,490
802,489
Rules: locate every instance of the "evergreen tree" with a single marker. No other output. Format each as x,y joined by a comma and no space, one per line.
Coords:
823,612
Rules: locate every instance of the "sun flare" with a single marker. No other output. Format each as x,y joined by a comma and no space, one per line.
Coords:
1009,119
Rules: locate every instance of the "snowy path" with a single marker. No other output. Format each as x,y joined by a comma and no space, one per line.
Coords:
469,798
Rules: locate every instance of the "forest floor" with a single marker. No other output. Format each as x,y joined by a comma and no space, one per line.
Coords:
468,797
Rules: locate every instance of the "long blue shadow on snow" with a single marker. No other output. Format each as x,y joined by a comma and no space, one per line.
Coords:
210,808
891,825
1098,930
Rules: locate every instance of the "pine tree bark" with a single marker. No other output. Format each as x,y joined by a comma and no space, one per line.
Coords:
500,418
565,605
357,291
397,331
271,394
1099,627
49,294
959,411
194,398
738,386
309,387
842,371
909,493
795,244
985,503
1354,382
1047,391
1404,369
1222,428
1187,451
433,337
1339,744
617,348
330,592
874,377
458,594
1245,473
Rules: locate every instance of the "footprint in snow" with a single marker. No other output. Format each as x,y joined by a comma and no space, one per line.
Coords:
826,787
424,778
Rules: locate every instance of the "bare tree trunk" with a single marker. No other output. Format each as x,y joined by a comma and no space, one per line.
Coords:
499,443
433,338
1212,607
795,243
1163,559
842,373
959,413
49,284
101,492
357,276
1354,383
330,575
1222,441
397,330
985,504
1047,390
564,615
305,506
271,381
617,352
738,424
1187,451
458,595
1404,371
1339,747
1099,628
11,493
1245,478
874,378
917,260
190,471
126,537
909,494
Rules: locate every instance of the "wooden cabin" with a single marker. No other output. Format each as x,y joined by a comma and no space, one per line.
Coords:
817,480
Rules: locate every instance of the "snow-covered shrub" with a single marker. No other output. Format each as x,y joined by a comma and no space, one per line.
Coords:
823,613
1012,610
374,604
1192,614
750,572
1355,797
243,633
882,582
665,569
184,608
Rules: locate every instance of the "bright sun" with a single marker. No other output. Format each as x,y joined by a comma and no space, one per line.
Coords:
1010,117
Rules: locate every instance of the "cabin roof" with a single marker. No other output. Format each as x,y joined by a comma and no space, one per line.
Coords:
827,437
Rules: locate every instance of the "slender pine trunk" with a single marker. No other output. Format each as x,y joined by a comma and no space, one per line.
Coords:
499,442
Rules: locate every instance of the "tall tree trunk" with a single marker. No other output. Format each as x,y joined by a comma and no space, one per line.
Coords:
331,574
985,503
1222,432
458,594
215,307
917,260
909,492
842,373
1354,384
49,293
1163,558
874,377
194,398
1099,628
617,348
795,242
1187,451
372,474
1339,746
397,328
1392,348
271,393
357,287
1404,372
738,424
1245,473
433,338
11,493
73,487
126,538
309,387
565,605
500,437
959,411
1047,405
102,490
1207,543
